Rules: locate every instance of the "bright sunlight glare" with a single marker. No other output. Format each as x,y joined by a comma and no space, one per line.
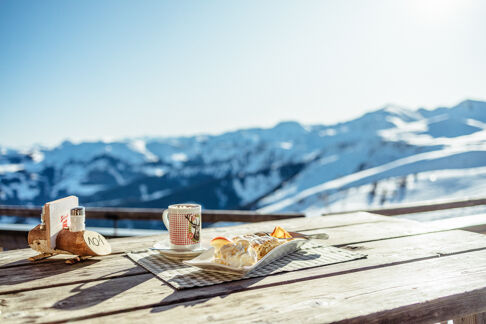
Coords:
438,10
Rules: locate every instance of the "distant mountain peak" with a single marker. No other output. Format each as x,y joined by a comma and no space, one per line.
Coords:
293,128
400,111
394,108
289,124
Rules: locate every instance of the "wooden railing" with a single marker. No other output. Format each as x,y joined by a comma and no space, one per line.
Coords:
420,207
212,216
115,214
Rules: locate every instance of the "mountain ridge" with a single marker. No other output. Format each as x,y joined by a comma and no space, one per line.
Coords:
248,168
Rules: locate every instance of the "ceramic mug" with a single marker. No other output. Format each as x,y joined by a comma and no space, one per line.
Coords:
184,224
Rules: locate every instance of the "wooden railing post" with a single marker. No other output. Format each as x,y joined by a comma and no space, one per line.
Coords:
114,218
479,318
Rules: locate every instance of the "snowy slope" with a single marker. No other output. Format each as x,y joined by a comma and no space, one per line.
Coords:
450,143
369,161
423,186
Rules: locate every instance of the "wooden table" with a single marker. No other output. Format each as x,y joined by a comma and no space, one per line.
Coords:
413,273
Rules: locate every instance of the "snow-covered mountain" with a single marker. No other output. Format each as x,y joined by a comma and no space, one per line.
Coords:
387,156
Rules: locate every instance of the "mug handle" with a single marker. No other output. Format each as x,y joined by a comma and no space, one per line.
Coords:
165,218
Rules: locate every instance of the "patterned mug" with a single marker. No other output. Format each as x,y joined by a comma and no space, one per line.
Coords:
184,224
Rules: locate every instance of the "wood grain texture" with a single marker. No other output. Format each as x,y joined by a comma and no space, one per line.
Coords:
423,291
21,274
56,274
340,235
123,293
471,319
44,274
115,287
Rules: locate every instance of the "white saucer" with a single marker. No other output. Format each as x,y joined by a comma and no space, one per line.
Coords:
164,248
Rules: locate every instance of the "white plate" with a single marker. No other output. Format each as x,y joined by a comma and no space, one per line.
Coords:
164,248
206,260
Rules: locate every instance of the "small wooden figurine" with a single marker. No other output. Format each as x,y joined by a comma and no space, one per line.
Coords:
62,231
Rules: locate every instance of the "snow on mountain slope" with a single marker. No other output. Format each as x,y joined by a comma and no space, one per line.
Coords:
437,160
287,167
448,141
422,186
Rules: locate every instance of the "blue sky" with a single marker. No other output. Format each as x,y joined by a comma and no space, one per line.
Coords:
85,70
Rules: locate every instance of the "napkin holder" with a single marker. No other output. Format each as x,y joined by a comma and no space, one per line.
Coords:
62,231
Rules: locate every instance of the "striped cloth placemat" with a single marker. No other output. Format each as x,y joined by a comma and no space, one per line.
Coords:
182,276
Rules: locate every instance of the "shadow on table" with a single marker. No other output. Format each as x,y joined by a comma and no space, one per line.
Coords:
14,275
94,292
199,295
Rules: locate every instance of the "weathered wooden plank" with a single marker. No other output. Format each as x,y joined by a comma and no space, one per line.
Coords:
44,274
471,319
36,274
422,291
59,303
473,223
56,274
420,207
120,245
